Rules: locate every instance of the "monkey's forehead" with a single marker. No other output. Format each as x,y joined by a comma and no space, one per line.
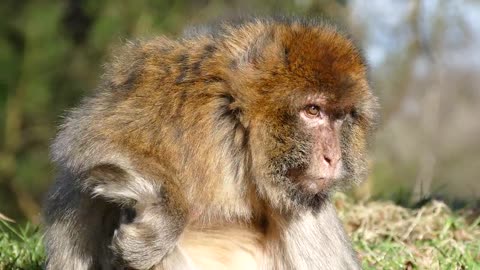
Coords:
320,54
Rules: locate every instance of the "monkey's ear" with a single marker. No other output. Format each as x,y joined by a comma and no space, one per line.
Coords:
232,110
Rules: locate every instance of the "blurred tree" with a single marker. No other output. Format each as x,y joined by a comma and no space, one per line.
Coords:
424,70
51,54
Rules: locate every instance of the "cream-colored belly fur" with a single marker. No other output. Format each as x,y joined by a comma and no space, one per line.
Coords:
223,248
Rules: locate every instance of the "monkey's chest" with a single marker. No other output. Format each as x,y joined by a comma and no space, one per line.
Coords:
232,247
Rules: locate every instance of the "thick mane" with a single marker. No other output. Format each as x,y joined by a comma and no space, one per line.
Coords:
159,96
221,147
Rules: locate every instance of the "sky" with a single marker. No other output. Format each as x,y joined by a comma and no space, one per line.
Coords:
389,31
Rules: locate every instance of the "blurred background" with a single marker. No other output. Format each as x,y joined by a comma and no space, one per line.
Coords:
425,67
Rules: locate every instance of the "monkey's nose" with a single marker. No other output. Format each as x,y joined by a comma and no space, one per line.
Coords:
330,161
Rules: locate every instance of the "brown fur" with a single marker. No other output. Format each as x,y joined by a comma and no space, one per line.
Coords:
197,135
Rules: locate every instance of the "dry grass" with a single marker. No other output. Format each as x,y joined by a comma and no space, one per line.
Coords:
388,236
385,235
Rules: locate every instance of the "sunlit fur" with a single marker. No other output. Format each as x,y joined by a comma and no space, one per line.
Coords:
198,136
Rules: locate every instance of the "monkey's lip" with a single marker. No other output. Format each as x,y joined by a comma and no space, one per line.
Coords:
311,182
316,184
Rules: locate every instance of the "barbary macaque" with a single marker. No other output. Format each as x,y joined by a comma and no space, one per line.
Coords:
219,150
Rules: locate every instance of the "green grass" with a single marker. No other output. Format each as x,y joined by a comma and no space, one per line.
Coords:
385,235
394,255
20,247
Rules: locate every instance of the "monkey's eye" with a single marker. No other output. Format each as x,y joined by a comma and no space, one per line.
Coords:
313,111
341,115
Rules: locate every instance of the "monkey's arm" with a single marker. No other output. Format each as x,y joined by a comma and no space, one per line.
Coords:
319,241
152,219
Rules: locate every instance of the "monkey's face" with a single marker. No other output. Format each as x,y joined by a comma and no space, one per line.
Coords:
316,113
310,147
324,165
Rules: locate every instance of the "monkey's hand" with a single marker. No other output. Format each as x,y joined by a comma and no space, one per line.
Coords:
146,234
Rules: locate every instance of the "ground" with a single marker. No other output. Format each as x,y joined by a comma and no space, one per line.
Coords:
388,236
385,235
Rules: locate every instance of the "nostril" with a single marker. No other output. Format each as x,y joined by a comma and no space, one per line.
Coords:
328,160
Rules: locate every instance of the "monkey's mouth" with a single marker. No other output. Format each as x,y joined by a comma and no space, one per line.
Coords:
310,183
316,185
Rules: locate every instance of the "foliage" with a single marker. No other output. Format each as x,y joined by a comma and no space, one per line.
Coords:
20,247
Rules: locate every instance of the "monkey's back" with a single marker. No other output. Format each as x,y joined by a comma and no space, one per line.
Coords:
161,92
